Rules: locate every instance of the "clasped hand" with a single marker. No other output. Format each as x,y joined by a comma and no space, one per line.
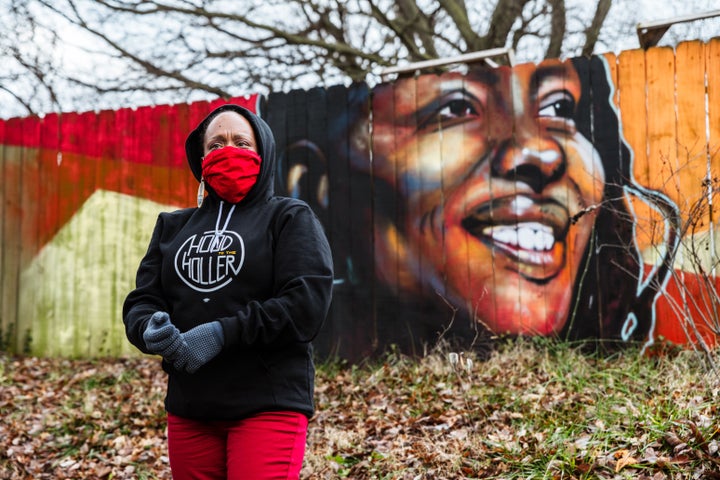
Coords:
185,351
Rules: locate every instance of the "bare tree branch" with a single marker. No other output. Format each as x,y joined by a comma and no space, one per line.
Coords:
459,14
593,31
421,26
150,67
557,28
503,17
217,48
401,29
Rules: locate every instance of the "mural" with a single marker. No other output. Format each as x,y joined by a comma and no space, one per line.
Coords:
511,201
568,198
499,207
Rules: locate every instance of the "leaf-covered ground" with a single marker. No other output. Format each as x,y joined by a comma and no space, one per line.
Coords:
532,410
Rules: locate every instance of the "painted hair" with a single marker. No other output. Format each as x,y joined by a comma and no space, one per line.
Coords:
613,297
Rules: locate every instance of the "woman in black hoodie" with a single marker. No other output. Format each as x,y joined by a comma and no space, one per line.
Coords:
231,294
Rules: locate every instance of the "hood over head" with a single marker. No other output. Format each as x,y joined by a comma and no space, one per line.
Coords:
263,137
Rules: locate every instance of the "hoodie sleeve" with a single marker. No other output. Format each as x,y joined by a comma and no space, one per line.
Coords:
147,297
303,278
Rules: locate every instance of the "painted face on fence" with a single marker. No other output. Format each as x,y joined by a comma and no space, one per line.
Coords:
490,170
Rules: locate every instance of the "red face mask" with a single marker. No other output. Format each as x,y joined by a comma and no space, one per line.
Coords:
231,172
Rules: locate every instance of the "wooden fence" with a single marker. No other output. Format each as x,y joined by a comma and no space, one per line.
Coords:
571,198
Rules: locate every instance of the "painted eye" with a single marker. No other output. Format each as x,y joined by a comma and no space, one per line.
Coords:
456,109
448,111
557,104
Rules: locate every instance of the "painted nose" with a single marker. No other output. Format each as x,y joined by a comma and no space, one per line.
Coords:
536,162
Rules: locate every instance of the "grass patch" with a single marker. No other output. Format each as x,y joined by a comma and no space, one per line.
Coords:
534,409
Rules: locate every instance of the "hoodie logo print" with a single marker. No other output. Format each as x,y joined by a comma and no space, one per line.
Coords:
209,261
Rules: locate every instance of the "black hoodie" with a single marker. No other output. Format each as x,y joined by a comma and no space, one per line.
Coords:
269,284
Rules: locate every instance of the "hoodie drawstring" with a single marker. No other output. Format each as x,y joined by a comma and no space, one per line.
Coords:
218,232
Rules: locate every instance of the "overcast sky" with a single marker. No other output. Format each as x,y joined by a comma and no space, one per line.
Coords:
620,25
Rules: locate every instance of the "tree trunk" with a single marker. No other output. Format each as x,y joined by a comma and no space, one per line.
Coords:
557,28
593,31
503,17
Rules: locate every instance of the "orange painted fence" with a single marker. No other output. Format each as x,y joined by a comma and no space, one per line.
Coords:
570,198
669,103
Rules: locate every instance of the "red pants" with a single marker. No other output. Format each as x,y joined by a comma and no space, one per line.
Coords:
265,446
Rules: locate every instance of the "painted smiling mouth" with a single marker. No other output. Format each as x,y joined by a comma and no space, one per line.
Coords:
530,231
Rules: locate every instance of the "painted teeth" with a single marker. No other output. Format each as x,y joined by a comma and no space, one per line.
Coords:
526,236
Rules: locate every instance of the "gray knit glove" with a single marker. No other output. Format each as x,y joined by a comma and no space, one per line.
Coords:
200,345
162,337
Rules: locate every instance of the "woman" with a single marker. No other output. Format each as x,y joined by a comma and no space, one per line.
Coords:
501,198
231,294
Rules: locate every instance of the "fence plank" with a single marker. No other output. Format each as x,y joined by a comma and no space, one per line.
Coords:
183,184
7,323
341,320
353,141
631,75
662,125
632,82
31,211
712,63
713,115
692,159
48,217
12,241
387,203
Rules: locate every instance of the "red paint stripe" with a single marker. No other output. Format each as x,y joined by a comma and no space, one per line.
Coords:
148,135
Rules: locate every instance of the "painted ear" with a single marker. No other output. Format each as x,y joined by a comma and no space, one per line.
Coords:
303,174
